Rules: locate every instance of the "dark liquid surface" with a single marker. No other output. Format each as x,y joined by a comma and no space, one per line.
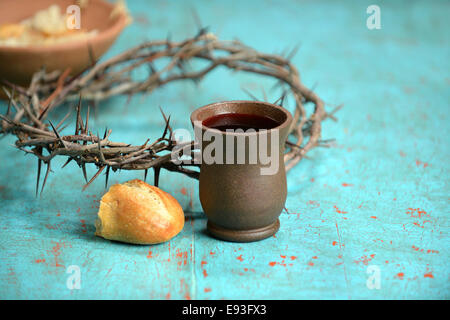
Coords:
233,121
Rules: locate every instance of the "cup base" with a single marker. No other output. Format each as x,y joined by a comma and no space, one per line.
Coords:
243,235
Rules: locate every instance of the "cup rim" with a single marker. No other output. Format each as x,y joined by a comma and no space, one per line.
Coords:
286,123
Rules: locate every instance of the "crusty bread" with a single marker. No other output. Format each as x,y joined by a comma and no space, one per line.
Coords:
137,212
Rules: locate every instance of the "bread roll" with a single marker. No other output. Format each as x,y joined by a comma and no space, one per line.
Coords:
136,212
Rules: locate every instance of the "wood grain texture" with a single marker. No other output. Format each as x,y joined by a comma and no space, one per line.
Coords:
379,197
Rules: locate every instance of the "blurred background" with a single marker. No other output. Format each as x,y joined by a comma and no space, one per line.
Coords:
347,205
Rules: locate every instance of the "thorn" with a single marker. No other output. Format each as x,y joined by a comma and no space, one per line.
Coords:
91,55
107,176
83,168
250,94
130,96
281,99
277,84
201,32
86,127
327,140
169,36
44,111
145,174
95,107
332,112
165,129
196,18
293,52
264,94
77,125
67,162
6,119
63,119
180,65
157,171
102,157
57,135
167,121
62,129
46,176
10,100
152,68
314,87
293,145
38,176
196,81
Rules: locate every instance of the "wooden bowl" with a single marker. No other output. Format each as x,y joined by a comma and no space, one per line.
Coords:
18,64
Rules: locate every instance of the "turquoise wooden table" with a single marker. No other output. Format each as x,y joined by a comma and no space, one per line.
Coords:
366,219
